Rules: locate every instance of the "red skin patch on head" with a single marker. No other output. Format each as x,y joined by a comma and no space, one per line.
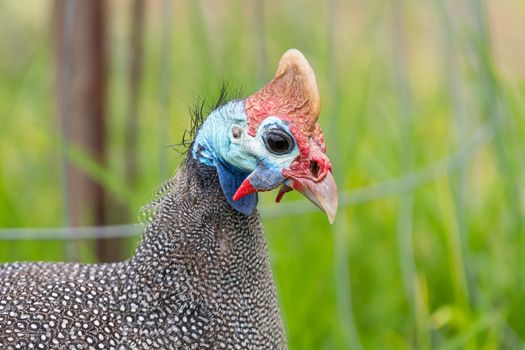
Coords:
283,98
292,96
293,110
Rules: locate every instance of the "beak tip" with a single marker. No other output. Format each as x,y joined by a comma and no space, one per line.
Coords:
323,194
331,212
331,217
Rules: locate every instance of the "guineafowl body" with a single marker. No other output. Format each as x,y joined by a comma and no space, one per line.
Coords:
200,278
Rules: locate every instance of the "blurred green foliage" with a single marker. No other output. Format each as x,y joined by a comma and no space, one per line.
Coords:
404,85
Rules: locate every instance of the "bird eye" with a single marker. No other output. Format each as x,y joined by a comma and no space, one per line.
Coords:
278,141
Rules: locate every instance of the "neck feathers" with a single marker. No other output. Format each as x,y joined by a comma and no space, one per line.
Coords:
192,218
191,197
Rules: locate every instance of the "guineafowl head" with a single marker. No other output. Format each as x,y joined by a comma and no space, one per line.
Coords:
271,139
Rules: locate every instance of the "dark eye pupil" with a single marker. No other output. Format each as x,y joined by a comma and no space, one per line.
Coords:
278,143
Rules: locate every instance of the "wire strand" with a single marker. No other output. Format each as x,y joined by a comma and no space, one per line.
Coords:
390,188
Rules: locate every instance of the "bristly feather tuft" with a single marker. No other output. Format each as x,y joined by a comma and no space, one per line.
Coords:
200,110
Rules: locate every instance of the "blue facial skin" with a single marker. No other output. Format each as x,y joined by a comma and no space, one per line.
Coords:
237,155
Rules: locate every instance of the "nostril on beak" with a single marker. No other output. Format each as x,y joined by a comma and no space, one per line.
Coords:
314,168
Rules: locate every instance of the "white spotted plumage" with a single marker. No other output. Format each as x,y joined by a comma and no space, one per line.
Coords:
200,279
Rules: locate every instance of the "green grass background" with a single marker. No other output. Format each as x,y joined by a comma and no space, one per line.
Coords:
423,111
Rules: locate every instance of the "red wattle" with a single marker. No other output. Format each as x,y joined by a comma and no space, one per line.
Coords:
244,189
282,191
296,185
280,196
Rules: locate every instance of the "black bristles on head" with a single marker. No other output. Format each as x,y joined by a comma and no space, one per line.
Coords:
200,110
227,93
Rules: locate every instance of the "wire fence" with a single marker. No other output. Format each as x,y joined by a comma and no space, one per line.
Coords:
397,186
451,167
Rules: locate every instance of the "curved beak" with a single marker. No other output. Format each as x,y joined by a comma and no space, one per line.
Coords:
323,193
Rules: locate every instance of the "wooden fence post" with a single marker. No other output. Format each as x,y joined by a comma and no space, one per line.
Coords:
85,116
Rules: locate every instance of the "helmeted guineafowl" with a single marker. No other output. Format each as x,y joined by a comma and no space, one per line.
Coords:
200,278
